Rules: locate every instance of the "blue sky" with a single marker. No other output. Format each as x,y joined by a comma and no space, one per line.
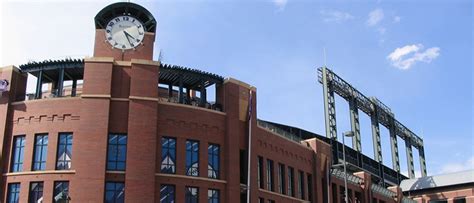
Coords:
416,57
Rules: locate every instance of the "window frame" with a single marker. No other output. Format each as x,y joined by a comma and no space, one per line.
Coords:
194,153
115,148
43,149
168,150
212,156
270,174
188,197
55,190
213,198
33,192
13,191
173,195
65,146
115,191
16,163
281,178
260,172
291,181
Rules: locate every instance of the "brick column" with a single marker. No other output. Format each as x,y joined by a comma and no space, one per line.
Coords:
89,148
142,132
15,91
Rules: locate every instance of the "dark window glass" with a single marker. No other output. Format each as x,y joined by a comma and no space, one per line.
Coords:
114,192
214,161
310,188
291,181
261,200
61,192
117,152
281,178
271,201
167,194
168,155
460,200
40,152
334,192
213,196
13,195
342,191
64,151
438,201
260,172
192,158
192,195
36,192
18,153
301,184
270,175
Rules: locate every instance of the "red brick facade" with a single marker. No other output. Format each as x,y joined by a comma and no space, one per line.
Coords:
120,95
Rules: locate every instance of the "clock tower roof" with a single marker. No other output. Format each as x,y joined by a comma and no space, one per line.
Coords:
125,8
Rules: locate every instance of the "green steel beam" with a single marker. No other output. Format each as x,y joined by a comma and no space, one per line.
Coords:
411,168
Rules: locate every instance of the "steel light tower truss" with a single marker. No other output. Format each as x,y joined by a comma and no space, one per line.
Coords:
379,114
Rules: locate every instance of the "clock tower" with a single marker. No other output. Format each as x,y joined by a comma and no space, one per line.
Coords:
124,31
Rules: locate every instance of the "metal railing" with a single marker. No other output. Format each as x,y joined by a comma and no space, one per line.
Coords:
279,131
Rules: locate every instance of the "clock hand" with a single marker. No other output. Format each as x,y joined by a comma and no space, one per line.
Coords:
128,37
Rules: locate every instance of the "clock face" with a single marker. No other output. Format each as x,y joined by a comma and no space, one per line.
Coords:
124,32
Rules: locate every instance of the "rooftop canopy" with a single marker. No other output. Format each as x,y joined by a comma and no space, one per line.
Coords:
57,71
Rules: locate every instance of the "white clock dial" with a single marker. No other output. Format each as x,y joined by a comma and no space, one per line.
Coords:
124,32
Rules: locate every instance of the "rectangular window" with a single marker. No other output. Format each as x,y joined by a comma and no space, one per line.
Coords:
64,151
40,152
334,193
261,200
213,196
114,192
260,172
192,158
13,195
192,195
167,194
291,181
271,201
117,152
270,175
301,184
168,155
310,188
18,151
460,200
438,201
281,178
214,161
61,192
36,192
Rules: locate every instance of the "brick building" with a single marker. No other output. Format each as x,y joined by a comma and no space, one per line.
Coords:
142,131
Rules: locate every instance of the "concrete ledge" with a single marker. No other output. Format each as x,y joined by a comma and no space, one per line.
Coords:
190,177
44,100
115,172
96,96
120,99
238,82
145,62
123,63
9,68
40,172
191,107
143,98
99,59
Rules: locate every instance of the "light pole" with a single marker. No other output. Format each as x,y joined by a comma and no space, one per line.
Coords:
344,135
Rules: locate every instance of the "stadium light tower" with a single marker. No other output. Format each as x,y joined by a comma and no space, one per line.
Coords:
344,135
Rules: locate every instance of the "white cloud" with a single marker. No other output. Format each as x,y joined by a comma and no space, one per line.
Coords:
280,4
405,57
455,167
397,19
381,30
335,16
375,17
